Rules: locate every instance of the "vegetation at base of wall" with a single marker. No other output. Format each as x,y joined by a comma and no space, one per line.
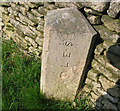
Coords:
21,83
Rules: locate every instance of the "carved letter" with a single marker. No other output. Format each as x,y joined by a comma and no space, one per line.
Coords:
68,44
65,54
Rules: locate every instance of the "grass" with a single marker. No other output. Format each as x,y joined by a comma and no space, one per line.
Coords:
21,83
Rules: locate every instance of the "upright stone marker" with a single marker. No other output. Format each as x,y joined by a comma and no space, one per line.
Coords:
67,40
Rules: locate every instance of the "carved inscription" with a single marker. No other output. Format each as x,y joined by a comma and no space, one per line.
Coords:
67,54
64,59
68,44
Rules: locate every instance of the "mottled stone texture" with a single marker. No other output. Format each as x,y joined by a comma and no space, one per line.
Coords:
65,50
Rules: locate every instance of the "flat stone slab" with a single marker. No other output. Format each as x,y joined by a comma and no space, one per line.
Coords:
67,41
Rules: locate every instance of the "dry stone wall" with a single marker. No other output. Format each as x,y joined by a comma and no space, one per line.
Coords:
102,84
24,23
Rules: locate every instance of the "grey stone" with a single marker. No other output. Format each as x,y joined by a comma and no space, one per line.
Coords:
118,105
115,49
67,40
111,98
115,92
106,34
98,6
114,9
110,23
109,105
99,105
114,59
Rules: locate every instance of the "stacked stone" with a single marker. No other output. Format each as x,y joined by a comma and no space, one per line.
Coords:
100,84
24,23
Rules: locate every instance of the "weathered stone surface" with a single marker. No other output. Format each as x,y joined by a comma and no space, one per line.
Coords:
107,44
94,19
25,29
109,105
99,106
99,49
108,66
36,13
106,34
12,11
115,92
103,70
31,41
32,17
105,83
98,6
111,98
67,40
39,41
1,24
25,19
42,10
114,9
90,11
31,4
110,23
114,59
50,6
5,4
40,28
115,49
93,75
118,105
5,18
66,4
